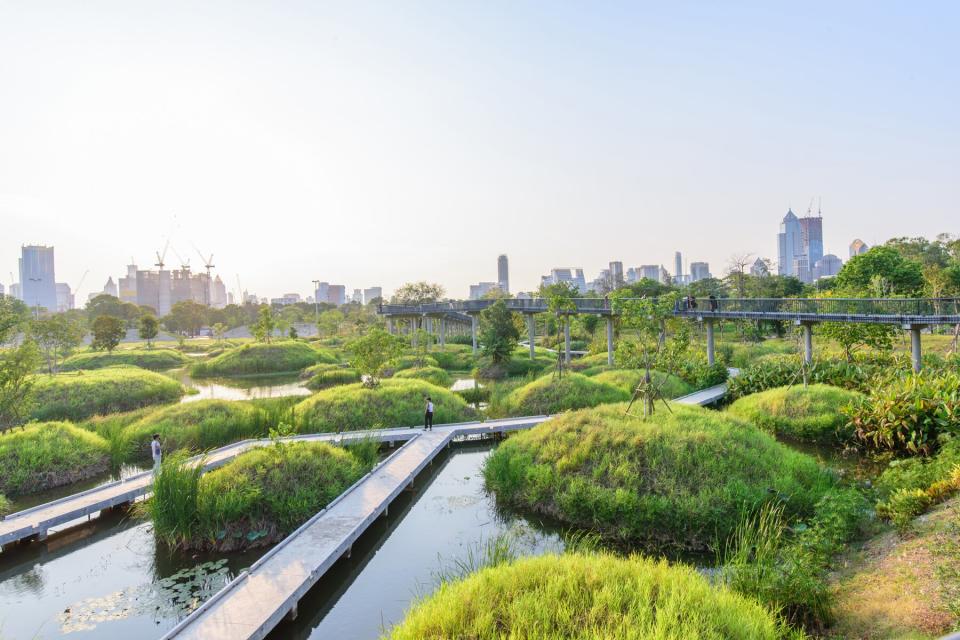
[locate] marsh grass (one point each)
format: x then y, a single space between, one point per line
668 386
549 395
50 454
287 356
176 490
152 359
332 378
5 505
811 413
433 375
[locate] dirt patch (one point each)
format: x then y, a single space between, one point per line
902 587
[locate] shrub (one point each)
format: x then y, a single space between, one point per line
742 355
194 426
254 500
695 371
678 479
332 377
803 413
627 380
783 371
409 362
912 485
454 358
433 375
80 394
474 395
548 395
578 595
588 362
908 414
263 358
45 455
517 366
395 403
153 359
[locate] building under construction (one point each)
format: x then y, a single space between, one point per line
164 288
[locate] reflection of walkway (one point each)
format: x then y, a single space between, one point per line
256 601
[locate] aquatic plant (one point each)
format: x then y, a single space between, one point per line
50 454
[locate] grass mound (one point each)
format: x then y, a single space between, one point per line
454 357
80 394
679 479
254 500
803 413
332 377
587 596
670 386
433 375
548 395
153 359
46 455
395 403
195 426
411 362
259 358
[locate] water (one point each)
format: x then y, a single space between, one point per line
462 384
42 497
248 388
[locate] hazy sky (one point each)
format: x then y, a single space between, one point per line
377 143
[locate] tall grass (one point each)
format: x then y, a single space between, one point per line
5 505
548 395
433 375
46 455
813 412
668 386
176 491
286 356
153 359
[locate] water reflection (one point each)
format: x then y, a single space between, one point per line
250 388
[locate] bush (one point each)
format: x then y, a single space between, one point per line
804 413
907 415
578 595
627 380
474 395
412 362
742 355
46 455
332 378
263 358
394 403
433 375
194 426
695 371
254 500
548 395
454 358
517 366
678 479
152 359
80 394
783 371
910 486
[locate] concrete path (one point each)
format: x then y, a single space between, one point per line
709 395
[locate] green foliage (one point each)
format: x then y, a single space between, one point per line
372 353
679 479
285 356
884 268
454 358
548 395
586 595
433 375
107 333
107 305
148 328
741 355
45 455
77 395
693 369
408 362
474 395
907 415
782 371
516 366
852 336
811 413
903 506
5 505
186 317
417 293
153 359
194 426
254 500
17 399
910 486
56 337
499 333
263 329
332 377
627 380
394 403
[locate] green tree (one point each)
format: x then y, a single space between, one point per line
561 302
263 328
107 333
853 336
107 305
881 271
186 317
328 324
370 354
219 330
418 293
498 332
56 337
17 364
420 341
148 329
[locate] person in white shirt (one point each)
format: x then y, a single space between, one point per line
156 452
428 415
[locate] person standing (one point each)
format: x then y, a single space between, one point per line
156 452
428 415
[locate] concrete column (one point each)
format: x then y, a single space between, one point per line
711 352
532 334
566 339
808 342
610 340
390 325
413 331
443 332
915 352
473 332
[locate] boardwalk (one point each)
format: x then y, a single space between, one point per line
709 395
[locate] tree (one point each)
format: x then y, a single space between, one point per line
498 332
737 273
107 333
187 317
148 329
370 354
263 329
881 271
560 298
56 336
420 341
17 364
328 324
853 336
219 330
107 305
418 293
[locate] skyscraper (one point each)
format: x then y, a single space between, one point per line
503 273
699 271
678 267
790 244
38 285
371 294
811 238
858 247
616 274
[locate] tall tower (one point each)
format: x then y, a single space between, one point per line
616 274
678 267
790 245
503 273
38 286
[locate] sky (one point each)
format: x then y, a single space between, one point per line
376 143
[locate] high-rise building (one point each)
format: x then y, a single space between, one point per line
828 265
38 283
811 238
616 274
479 290
503 273
858 247
371 294
789 244
65 300
285 300
2 290
699 271
759 268
357 296
15 290
678 266
650 272
127 286
337 294
110 288
218 294
322 292
573 276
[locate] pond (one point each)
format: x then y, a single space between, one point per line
247 388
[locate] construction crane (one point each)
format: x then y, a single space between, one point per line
208 265
80 284
184 264
160 257
240 295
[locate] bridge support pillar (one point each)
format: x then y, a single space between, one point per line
566 339
711 351
390 325
532 334
443 332
916 354
610 341
473 331
807 342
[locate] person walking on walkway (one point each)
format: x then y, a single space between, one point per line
428 415
156 452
